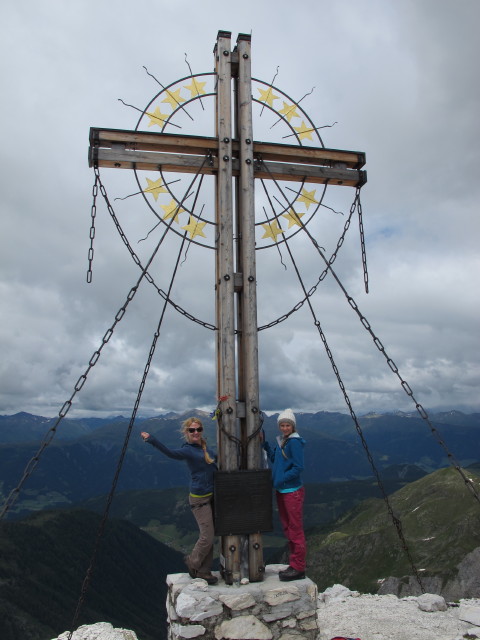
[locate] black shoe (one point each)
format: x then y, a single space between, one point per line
191 571
291 574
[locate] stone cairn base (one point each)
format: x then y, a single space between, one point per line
268 610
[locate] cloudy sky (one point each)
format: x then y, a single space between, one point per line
399 79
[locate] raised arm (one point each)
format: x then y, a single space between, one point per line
176 454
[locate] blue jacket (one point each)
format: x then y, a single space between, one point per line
287 463
202 473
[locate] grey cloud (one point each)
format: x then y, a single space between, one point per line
398 78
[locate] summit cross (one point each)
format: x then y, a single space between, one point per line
233 155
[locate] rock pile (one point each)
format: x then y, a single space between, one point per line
342 612
99 631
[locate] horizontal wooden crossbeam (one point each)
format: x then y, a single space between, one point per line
123 149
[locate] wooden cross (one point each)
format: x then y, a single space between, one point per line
232 157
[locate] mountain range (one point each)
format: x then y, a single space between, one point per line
351 540
81 460
44 557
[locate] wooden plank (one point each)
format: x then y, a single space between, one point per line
311 173
170 162
151 141
247 302
224 288
309 155
246 262
151 161
199 145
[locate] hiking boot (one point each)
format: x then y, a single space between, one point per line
209 577
291 574
191 571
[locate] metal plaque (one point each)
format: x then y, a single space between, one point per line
243 502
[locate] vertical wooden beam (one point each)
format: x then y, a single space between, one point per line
226 387
248 293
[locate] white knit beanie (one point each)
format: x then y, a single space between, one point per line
287 416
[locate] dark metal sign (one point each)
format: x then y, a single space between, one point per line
243 502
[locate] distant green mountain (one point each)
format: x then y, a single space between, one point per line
43 560
441 524
82 465
25 427
165 514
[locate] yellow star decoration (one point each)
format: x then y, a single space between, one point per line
195 88
307 197
304 131
157 118
174 98
293 218
271 230
155 187
195 228
289 111
267 95
172 210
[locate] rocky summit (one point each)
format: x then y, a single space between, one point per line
342 612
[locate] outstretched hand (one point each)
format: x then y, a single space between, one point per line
144 435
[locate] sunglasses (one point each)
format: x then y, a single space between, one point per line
193 429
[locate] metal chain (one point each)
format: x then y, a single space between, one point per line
396 521
32 464
241 446
423 414
137 261
322 276
101 528
92 226
362 244
405 386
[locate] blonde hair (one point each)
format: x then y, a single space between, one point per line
184 431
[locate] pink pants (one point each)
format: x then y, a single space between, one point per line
290 510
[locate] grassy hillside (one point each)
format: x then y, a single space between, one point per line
441 524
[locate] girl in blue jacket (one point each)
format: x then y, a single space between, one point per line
201 463
287 467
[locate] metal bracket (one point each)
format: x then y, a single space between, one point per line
237 282
241 410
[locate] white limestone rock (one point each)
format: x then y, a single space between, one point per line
470 614
243 628
309 624
431 602
185 605
337 593
386 617
197 606
99 631
291 623
278 614
289 593
199 584
238 602
188 631
306 614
